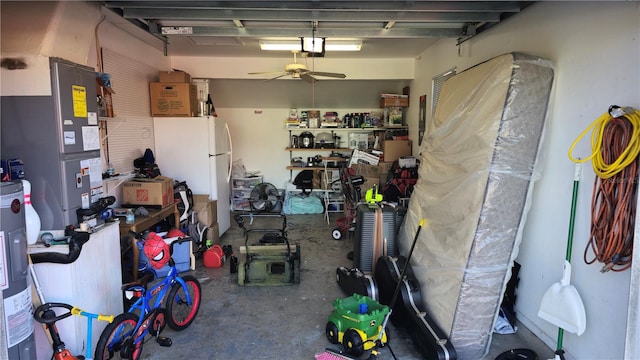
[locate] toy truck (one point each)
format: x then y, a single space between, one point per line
357 323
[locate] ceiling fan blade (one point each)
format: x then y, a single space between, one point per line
266 73
308 78
328 74
278 77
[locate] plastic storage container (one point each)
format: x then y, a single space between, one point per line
180 255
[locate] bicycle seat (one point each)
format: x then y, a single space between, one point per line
140 283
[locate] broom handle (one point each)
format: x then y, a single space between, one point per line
574 199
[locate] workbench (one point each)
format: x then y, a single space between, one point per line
143 223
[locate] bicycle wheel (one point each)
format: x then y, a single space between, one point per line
116 340
180 314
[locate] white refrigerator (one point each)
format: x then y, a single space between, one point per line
197 150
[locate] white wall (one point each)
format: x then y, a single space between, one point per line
594 46
239 68
41 32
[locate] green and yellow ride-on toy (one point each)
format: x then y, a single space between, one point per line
357 322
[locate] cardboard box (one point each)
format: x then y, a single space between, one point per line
395 149
206 210
382 169
366 170
317 180
331 176
174 76
385 167
394 101
393 116
369 182
173 99
213 233
361 157
359 140
157 192
407 162
382 180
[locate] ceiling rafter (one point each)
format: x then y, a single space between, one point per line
296 15
380 25
416 5
333 32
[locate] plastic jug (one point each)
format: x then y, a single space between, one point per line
213 257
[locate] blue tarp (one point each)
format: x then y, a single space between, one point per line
302 204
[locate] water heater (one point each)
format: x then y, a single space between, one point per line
16 319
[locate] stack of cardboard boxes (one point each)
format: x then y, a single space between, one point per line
207 213
377 173
173 95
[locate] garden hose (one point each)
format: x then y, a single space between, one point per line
615 142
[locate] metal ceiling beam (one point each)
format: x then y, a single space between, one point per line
335 33
353 18
297 15
419 5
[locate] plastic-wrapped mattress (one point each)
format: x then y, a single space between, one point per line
478 166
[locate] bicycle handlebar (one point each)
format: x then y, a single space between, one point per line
79 312
45 308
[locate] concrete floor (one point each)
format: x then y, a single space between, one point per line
286 322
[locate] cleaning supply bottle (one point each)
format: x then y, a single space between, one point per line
130 218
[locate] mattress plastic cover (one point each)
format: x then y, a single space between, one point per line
478 165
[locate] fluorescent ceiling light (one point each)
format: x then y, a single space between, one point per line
283 45
343 46
296 46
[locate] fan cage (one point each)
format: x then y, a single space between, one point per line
265 197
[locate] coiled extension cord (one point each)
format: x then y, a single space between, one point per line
615 142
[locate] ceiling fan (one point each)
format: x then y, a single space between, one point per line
299 71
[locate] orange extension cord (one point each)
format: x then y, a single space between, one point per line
613 203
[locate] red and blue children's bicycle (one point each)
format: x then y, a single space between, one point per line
173 301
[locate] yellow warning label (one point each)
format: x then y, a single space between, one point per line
79 101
